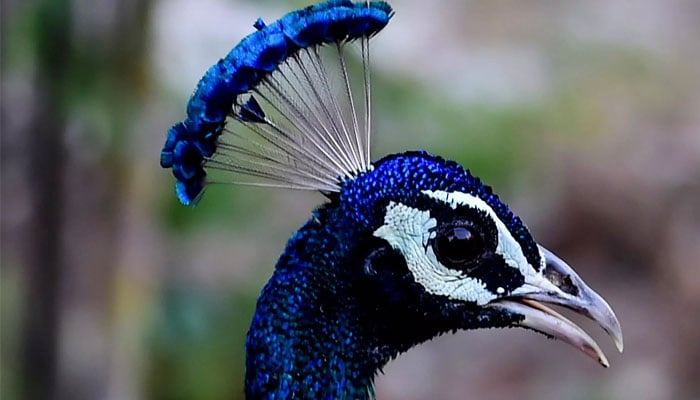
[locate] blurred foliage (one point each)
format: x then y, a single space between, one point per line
195 345
10 320
242 206
490 140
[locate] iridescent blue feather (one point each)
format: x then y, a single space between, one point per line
192 145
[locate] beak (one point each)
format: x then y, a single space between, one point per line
558 284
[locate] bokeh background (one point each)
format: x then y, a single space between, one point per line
585 117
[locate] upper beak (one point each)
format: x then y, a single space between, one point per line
559 284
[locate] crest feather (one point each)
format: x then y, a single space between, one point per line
284 108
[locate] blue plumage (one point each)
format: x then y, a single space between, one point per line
190 143
406 248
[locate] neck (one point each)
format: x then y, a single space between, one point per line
306 339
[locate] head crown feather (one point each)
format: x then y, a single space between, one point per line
281 108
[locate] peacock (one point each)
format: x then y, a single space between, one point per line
404 248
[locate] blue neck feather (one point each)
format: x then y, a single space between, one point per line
307 339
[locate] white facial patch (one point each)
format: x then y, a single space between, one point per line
408 231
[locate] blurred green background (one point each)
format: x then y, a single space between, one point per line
584 116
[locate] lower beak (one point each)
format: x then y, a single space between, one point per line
560 285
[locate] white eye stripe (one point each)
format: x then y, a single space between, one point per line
507 246
408 230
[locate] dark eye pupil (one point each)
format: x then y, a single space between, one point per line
457 246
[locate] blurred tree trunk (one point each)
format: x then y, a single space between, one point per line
44 257
89 56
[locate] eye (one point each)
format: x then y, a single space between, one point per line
458 246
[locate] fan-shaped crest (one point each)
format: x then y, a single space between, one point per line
287 107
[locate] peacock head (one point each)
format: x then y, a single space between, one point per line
430 247
445 253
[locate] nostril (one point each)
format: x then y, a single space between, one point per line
561 281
